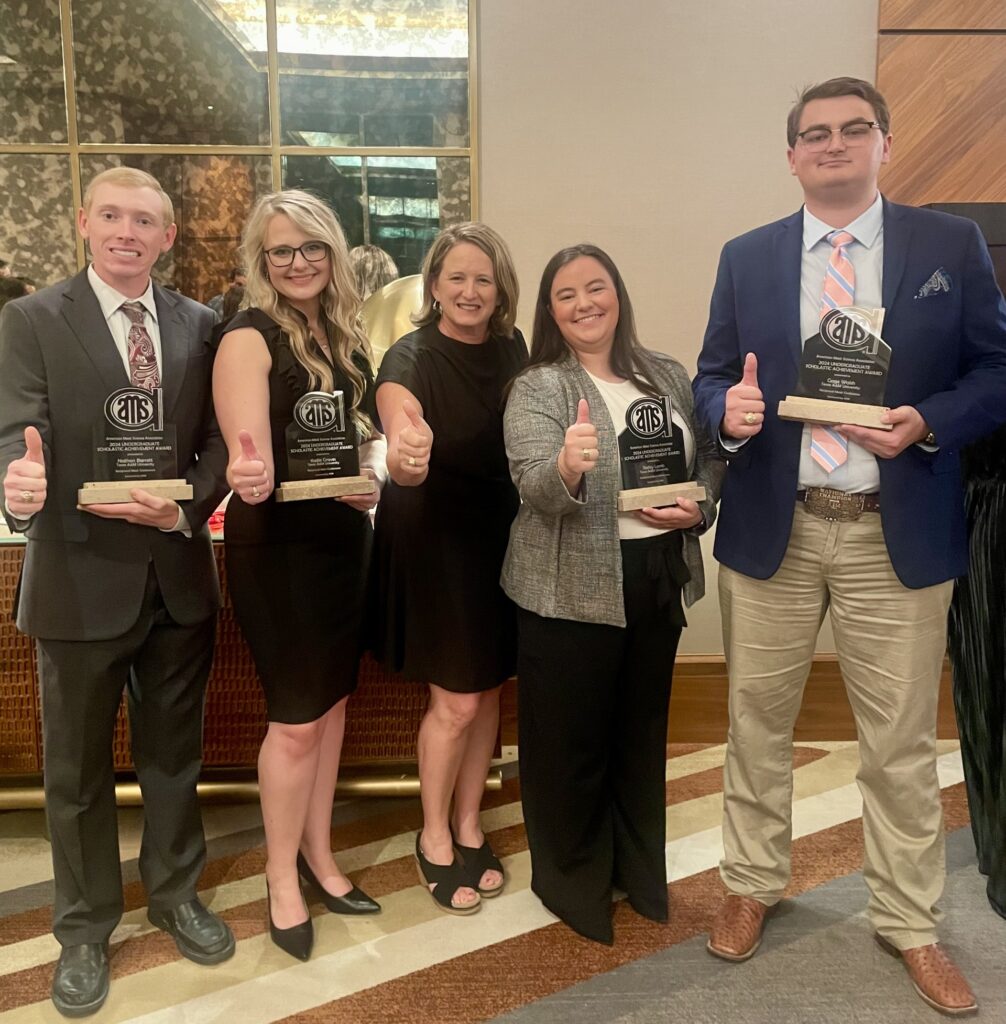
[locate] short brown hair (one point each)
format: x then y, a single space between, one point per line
130 177
838 87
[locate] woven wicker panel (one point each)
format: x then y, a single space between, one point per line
381 726
20 724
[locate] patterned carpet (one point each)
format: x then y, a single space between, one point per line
513 959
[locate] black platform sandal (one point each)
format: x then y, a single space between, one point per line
478 860
446 879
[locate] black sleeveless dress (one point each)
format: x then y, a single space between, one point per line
296 571
438 613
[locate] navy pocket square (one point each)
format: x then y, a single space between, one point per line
941 281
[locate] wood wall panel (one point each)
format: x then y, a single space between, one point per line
958 15
947 95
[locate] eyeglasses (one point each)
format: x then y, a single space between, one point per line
283 255
856 133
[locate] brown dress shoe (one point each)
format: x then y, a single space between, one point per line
936 978
737 930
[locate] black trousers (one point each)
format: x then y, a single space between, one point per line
163 667
592 720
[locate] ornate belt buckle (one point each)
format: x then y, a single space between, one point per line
834 506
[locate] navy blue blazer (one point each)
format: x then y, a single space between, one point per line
948 360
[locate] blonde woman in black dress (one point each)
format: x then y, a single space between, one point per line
296 571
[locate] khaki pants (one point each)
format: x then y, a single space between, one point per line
890 642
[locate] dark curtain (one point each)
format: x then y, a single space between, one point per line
978 652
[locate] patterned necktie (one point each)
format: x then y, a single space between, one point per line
827 447
143 372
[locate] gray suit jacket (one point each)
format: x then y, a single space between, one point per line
83 577
564 559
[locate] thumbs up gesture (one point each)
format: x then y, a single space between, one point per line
247 474
579 450
745 406
24 483
415 442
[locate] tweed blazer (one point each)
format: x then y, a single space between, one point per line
564 559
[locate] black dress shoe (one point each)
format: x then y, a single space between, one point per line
199 934
356 901
80 984
298 940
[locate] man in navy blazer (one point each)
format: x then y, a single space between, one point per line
875 540
117 596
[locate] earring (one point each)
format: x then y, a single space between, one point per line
436 307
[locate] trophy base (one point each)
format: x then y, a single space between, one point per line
654 497
827 412
330 487
118 492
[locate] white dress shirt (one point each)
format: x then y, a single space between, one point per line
118 323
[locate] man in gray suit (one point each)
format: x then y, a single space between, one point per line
121 595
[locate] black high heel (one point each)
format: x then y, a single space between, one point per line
298 941
356 901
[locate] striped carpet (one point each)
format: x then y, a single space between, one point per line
413 963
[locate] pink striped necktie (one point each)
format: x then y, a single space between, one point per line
827 447
143 372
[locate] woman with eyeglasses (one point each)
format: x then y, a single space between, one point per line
599 592
441 532
296 570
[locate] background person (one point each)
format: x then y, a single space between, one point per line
296 571
440 616
374 268
599 596
117 596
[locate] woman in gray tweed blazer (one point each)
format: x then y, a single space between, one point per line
599 596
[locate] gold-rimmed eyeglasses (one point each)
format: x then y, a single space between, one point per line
855 133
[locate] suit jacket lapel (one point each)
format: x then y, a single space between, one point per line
83 316
786 257
897 239
173 326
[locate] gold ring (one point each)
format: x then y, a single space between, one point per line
586 454
256 493
749 418
412 460
27 495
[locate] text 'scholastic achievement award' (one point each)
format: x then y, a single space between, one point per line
133 448
843 372
652 454
322 457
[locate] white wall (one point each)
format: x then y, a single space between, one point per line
655 129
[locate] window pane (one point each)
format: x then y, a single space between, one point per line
36 229
31 73
398 203
168 73
212 196
373 72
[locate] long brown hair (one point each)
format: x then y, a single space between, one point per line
628 357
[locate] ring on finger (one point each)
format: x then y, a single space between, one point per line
587 454
27 495
412 460
256 493
750 417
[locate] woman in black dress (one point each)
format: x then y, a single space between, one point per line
297 570
441 533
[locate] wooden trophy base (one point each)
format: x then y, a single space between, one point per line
654 497
828 413
330 487
118 492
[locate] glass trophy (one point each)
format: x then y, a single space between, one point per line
843 371
322 457
133 448
651 453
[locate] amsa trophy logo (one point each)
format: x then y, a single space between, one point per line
135 409
650 417
850 329
318 412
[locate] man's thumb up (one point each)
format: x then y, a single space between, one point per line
33 446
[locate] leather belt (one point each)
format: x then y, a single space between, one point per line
837 506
